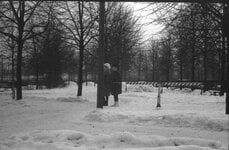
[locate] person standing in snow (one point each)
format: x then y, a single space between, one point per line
116 84
106 83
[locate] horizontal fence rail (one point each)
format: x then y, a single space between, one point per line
209 85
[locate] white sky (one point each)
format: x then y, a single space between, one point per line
149 27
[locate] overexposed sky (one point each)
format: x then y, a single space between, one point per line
144 11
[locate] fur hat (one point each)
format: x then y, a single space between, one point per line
107 65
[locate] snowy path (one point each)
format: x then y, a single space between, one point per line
186 121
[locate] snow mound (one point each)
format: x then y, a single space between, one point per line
187 120
6 102
149 118
73 140
104 116
72 99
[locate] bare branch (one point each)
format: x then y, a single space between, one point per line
14 11
8 35
32 10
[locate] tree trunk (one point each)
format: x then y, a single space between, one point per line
181 70
81 49
226 31
227 74
101 55
2 69
222 70
193 60
80 75
37 70
86 74
139 71
181 65
193 47
168 65
168 73
106 56
146 71
37 77
205 55
140 66
153 66
19 73
227 103
20 43
224 45
205 66
227 77
37 65
157 73
12 74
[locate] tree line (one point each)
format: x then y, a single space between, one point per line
194 45
46 40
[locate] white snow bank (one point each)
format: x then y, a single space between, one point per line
150 118
104 116
187 120
74 140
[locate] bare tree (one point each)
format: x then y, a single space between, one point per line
9 47
19 15
79 18
223 19
220 13
206 33
123 35
154 46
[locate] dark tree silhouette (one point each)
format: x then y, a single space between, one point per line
18 14
79 18
122 37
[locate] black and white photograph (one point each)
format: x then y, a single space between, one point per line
114 75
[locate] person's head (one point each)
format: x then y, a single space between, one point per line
107 67
114 67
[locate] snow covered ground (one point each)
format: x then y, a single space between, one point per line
58 120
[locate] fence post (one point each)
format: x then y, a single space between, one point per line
125 86
202 88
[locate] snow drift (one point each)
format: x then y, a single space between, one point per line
186 121
149 118
74 140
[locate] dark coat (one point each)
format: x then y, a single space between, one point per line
106 84
116 83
